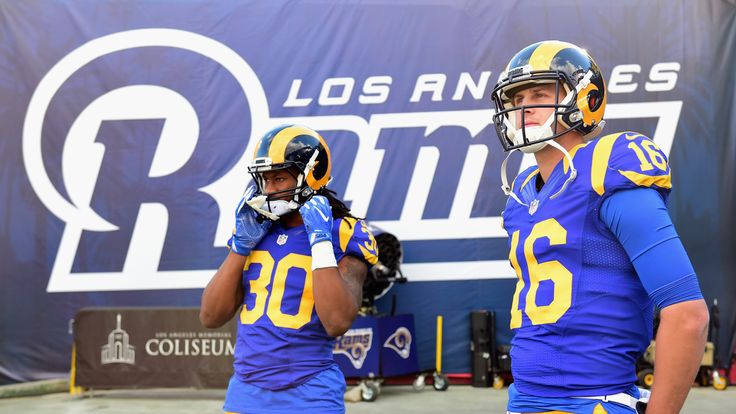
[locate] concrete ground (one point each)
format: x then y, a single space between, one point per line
460 399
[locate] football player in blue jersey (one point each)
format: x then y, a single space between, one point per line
593 247
295 272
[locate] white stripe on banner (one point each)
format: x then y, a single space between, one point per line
453 271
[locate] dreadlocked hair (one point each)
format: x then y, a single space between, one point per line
339 209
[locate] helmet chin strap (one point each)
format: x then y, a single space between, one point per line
535 133
573 171
311 163
505 182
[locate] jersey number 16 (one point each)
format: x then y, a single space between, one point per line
551 270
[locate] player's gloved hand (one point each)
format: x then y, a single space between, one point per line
249 226
317 216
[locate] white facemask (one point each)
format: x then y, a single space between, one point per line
535 132
278 208
272 209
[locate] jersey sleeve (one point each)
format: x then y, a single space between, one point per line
651 242
629 160
351 237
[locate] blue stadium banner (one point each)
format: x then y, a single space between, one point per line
126 128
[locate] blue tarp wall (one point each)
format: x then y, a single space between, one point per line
125 128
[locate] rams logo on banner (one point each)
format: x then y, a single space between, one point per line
355 345
400 341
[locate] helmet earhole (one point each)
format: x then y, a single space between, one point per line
594 101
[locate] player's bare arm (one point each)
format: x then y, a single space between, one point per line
338 293
680 342
354 272
224 293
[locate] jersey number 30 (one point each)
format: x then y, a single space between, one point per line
259 287
551 270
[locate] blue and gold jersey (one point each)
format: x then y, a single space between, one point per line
281 341
580 314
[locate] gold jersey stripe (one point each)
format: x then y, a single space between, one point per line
573 151
643 180
370 246
601 155
542 56
347 226
369 256
528 178
599 409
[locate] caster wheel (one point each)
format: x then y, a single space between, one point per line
720 382
369 392
440 382
418 383
646 378
497 382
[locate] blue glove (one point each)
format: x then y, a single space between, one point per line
248 230
317 216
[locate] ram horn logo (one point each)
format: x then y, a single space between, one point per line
355 345
400 341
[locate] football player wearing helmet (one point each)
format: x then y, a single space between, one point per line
592 245
294 275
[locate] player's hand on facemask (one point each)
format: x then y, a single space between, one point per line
317 216
249 226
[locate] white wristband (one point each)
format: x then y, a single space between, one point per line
323 255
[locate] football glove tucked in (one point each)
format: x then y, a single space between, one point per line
317 216
249 228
